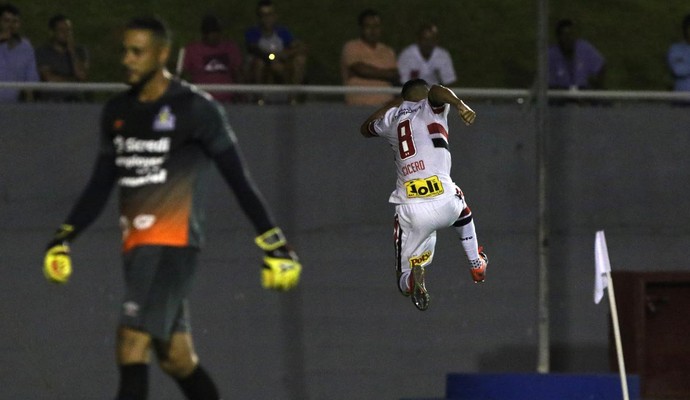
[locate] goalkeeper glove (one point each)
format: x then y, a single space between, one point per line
281 268
57 264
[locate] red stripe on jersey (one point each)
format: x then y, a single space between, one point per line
437 128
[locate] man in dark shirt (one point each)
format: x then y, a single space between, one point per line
62 60
157 139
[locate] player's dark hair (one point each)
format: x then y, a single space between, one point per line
366 14
411 85
9 8
686 25
153 24
55 19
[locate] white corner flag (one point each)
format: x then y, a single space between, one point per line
602 266
602 276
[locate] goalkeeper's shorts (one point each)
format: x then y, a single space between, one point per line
158 280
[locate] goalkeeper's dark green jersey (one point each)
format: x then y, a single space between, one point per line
158 154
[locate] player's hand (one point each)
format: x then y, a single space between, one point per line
57 264
281 270
281 267
466 113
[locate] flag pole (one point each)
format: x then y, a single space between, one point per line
617 336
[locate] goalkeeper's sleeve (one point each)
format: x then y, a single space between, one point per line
57 263
231 167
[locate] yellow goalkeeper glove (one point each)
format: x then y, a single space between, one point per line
281 267
57 263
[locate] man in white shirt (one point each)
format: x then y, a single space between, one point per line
426 60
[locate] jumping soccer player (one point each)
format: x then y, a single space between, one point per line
157 140
426 198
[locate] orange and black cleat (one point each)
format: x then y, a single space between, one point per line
478 267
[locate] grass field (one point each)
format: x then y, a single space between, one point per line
492 41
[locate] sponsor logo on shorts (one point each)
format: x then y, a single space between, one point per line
143 221
130 309
427 187
420 260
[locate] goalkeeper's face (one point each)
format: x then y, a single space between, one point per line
143 56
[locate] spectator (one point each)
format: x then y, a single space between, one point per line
213 59
368 62
17 58
426 60
574 63
678 58
274 55
62 60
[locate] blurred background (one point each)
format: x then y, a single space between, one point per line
619 165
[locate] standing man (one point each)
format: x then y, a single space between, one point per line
17 58
574 63
213 59
368 62
426 60
157 139
425 196
274 55
61 59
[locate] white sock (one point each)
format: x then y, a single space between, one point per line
468 238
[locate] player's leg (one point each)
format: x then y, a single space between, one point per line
133 345
154 314
415 241
169 323
464 227
178 359
133 356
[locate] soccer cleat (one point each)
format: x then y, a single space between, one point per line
419 295
478 267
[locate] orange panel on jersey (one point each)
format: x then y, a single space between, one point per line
170 229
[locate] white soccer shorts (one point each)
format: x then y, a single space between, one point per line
415 231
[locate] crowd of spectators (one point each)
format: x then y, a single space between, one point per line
271 54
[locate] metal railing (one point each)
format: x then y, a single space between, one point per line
520 95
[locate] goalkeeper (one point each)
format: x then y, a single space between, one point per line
157 140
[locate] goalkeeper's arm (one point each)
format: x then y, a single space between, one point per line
281 267
57 265
231 167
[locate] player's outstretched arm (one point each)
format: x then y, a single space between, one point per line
365 128
439 95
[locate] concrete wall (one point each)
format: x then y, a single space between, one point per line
347 333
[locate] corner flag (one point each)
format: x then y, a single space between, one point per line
602 266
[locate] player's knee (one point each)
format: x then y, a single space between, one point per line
177 365
133 346
176 360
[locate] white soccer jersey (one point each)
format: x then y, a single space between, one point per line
418 135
